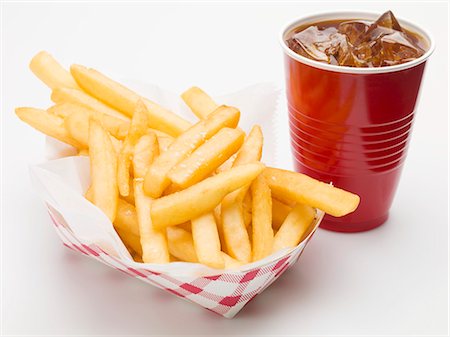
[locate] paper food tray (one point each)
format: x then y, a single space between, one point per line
82 227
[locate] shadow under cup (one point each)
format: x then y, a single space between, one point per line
351 126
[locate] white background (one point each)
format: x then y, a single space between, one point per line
392 280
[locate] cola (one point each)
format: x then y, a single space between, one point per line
358 43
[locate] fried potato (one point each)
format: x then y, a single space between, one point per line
145 151
202 197
156 179
207 158
262 232
68 95
132 243
77 125
49 71
115 126
294 228
234 227
83 152
235 233
292 186
279 213
126 218
89 195
153 242
247 209
181 244
103 170
47 123
206 241
124 100
199 102
230 263
252 148
138 128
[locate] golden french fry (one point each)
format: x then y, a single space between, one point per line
138 128
202 197
115 126
130 197
247 209
47 123
164 143
181 244
227 164
69 95
126 218
206 158
153 242
77 125
124 100
262 232
279 213
145 151
230 263
156 179
103 170
89 195
235 233
186 226
233 222
49 71
292 186
294 228
199 102
206 241
251 150
131 242
83 152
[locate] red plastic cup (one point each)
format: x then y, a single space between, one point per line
351 126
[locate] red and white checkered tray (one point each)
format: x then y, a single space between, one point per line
83 228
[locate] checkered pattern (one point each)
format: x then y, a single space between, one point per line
225 294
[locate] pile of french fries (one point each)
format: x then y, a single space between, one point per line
177 191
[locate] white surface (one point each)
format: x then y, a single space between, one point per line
392 280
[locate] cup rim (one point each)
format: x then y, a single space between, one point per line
353 70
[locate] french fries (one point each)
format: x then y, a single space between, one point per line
117 127
153 242
175 191
47 123
103 170
233 222
77 125
201 198
294 228
75 96
262 232
49 71
145 151
279 213
156 179
124 100
286 185
181 244
206 241
199 102
207 158
235 232
138 128
126 219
